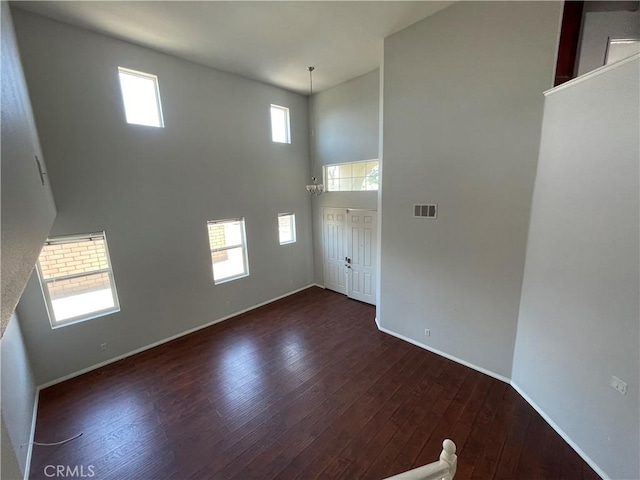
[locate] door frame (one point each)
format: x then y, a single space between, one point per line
324 259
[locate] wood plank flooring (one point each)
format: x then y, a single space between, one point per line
305 388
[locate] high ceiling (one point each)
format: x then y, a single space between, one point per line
269 41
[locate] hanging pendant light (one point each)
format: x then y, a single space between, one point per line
314 188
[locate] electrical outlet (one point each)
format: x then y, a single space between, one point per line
103 346
619 385
427 332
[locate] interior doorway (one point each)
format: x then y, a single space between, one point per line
350 252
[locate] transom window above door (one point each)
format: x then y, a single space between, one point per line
352 176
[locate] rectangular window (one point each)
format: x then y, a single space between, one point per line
287 228
77 279
141 97
280 128
352 177
228 243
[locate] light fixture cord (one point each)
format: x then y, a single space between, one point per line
311 125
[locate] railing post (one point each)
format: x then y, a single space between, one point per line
449 456
443 469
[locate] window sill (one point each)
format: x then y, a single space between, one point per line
230 279
93 316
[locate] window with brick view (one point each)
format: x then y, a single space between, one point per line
227 241
77 279
287 228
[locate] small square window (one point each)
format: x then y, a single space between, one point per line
228 243
77 279
141 97
287 228
280 125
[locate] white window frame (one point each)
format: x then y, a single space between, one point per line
149 76
287 129
327 183
293 228
109 270
243 244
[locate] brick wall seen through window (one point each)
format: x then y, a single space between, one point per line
76 278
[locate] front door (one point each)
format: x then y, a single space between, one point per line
361 231
334 222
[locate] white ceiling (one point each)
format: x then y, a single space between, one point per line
269 41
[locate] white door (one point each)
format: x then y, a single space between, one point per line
334 222
362 226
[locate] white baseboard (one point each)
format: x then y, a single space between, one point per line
173 337
32 434
318 285
559 431
377 323
502 378
445 355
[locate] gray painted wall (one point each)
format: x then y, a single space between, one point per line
28 209
580 297
153 190
18 397
346 122
9 468
462 115
597 27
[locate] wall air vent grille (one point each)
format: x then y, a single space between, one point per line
425 211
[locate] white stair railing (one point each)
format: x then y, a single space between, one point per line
443 469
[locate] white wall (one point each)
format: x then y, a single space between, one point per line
462 114
597 27
580 298
18 397
346 121
153 190
28 209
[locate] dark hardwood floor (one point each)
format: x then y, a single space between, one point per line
305 387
